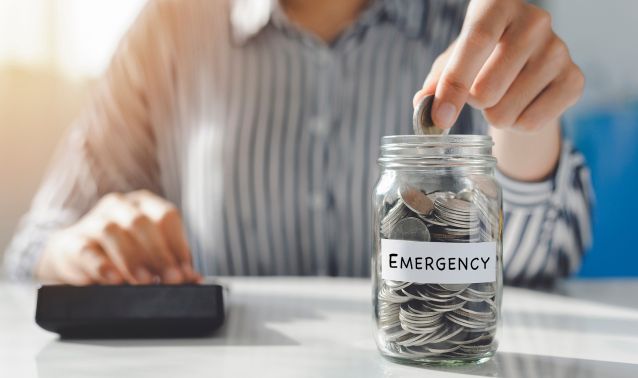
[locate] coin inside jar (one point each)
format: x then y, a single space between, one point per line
416 200
410 229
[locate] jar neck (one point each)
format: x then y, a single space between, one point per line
457 152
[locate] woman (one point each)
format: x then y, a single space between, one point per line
259 122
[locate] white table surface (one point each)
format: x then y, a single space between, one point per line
294 327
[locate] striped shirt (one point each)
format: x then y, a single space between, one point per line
266 138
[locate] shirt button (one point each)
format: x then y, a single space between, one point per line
320 126
318 201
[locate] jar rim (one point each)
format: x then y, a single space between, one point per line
459 150
459 140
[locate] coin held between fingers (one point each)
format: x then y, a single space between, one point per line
422 122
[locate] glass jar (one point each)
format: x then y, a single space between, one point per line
437 258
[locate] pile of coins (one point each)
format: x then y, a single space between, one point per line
446 321
439 321
467 216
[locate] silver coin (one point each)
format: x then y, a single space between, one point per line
397 285
485 185
396 213
451 332
416 200
488 316
454 287
420 328
422 118
441 292
454 204
435 195
424 295
467 321
434 221
466 195
465 296
472 340
451 348
392 296
410 229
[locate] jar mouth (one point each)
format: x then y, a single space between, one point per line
425 140
409 151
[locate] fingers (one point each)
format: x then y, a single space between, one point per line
150 240
169 222
532 80
135 239
157 250
122 249
143 238
485 23
520 40
69 271
98 267
553 101
74 275
118 246
178 243
506 61
68 258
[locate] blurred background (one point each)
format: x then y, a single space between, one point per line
51 51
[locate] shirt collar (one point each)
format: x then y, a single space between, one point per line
249 17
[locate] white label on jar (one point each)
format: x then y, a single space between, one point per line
433 262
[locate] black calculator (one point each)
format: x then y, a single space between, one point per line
124 311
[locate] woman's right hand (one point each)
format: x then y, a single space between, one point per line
135 238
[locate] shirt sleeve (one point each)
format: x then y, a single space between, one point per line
110 148
547 225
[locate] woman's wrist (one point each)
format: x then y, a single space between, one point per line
525 155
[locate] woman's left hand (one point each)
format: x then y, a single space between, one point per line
508 62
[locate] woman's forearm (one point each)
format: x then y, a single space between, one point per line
527 156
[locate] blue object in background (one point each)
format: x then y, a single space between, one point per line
608 137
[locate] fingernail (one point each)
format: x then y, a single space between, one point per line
112 277
445 114
143 276
171 276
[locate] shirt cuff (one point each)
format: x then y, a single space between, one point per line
528 193
27 245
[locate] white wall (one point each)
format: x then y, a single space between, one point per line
35 109
50 51
603 38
